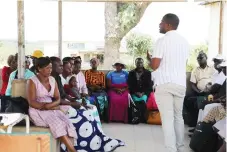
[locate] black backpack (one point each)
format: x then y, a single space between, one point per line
204 139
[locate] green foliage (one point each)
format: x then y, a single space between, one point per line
192 61
127 15
138 44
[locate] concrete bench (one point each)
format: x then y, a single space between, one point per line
55 144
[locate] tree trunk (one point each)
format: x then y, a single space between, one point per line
112 39
111 52
114 33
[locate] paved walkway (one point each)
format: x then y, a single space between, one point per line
140 138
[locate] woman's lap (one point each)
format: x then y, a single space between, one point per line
56 120
118 106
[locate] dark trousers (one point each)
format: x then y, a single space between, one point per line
190 110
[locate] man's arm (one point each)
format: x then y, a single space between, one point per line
155 63
157 55
194 82
194 88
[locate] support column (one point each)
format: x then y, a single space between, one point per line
221 31
21 39
60 29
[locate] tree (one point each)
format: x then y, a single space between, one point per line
192 61
138 44
120 18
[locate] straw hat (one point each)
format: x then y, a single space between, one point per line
119 62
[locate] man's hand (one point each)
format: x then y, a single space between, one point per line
148 56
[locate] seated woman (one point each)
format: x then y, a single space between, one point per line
14 75
89 131
6 71
118 93
96 85
44 101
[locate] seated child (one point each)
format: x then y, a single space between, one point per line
72 90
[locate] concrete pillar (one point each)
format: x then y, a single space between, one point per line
21 39
221 27
217 30
60 29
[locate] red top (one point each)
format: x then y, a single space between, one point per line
5 78
73 92
67 90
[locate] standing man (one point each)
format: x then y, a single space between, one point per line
169 64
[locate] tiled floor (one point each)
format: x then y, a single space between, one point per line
140 138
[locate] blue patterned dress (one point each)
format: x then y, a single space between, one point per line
91 137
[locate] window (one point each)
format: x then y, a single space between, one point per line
76 46
87 57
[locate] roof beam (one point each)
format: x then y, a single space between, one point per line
125 0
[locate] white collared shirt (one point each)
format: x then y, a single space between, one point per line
63 80
173 50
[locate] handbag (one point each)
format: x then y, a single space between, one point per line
204 139
154 117
18 105
151 103
133 112
4 103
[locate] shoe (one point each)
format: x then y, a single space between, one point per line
191 130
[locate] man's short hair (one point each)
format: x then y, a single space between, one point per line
67 59
201 53
65 63
138 59
55 59
172 19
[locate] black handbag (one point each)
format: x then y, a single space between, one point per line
204 139
17 105
133 112
4 102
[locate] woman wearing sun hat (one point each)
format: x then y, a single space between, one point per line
118 93
36 54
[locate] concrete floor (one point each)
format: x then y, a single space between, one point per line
140 138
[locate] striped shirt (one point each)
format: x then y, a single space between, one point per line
173 50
